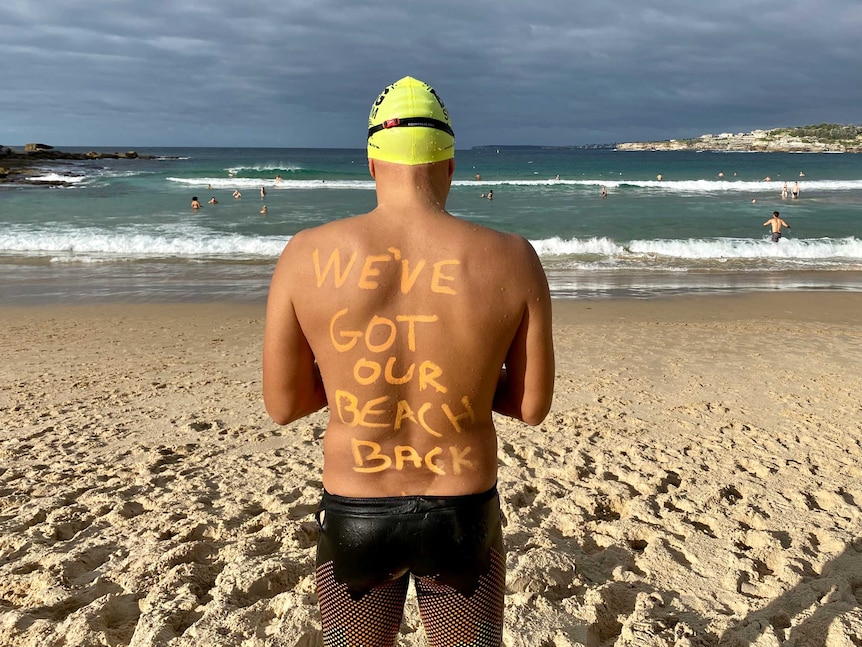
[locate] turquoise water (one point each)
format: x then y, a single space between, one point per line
124 230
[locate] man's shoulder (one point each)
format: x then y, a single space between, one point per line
512 243
329 231
493 235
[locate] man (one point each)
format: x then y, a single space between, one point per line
776 223
412 326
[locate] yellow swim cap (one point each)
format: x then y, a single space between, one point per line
409 124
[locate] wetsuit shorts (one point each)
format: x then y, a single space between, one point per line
776 235
368 548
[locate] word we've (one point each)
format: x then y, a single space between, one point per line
366 278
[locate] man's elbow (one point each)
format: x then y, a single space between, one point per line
536 401
535 414
284 410
286 407
281 415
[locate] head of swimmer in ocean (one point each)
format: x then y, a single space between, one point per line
409 124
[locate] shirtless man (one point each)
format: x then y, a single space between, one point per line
412 326
776 223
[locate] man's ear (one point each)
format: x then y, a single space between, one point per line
371 168
451 167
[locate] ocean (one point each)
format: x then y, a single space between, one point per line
123 230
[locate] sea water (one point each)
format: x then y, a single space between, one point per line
672 222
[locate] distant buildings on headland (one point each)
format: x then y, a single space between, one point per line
825 138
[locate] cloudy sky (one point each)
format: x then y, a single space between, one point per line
289 73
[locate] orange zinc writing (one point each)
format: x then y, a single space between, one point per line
379 413
379 334
368 458
366 275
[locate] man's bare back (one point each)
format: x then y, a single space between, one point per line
412 326
776 223
410 314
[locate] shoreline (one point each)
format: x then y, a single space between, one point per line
24 297
697 480
833 306
40 282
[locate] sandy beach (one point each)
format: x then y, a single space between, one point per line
698 480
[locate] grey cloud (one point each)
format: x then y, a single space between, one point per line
304 74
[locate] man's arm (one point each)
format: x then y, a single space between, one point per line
292 386
526 385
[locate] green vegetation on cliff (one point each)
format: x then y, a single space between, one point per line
837 133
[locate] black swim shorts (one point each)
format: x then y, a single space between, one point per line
376 540
369 547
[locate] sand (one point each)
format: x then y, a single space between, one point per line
697 482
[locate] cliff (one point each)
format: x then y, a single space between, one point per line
825 138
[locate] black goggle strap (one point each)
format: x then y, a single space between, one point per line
426 122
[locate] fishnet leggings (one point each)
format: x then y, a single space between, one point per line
450 618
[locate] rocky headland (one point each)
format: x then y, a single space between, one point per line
825 138
24 166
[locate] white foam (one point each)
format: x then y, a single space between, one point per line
130 244
747 248
266 167
58 177
192 241
849 248
559 247
678 186
249 184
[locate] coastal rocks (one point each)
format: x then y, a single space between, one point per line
21 167
45 152
128 155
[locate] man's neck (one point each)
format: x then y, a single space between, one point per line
424 186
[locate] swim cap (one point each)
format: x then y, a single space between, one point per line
409 124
